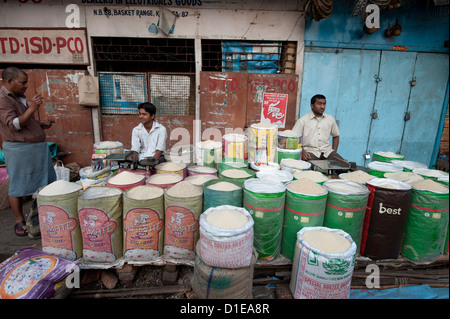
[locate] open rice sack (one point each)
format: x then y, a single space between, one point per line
226 237
222 283
238 175
265 200
100 214
378 169
432 174
408 166
387 156
220 192
305 207
346 207
32 274
125 180
58 219
323 264
426 228
143 223
385 218
183 205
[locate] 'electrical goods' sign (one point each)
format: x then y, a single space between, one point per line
44 46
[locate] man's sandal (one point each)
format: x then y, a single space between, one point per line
18 229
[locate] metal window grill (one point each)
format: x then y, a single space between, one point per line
121 93
171 94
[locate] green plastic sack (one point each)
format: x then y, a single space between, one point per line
227 164
240 181
378 169
214 198
265 200
386 157
293 154
346 207
301 210
427 225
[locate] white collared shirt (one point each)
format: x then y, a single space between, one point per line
316 132
147 143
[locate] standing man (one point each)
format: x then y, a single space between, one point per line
27 155
148 139
316 128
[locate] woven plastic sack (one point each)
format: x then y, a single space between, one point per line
265 200
427 225
378 169
213 198
387 157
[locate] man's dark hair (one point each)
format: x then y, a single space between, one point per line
148 107
316 97
11 73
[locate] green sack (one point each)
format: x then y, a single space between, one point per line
427 225
346 207
301 210
386 157
214 198
265 200
240 181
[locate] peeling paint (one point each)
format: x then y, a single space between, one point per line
73 78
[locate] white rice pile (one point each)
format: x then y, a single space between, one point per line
164 178
357 176
126 178
143 192
170 166
227 218
306 186
199 180
289 133
59 187
224 186
327 241
184 189
235 173
430 185
389 154
404 176
203 169
317 177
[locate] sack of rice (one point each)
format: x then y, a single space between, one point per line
443 179
305 206
226 164
125 180
108 148
289 154
269 167
100 214
164 180
89 173
428 218
278 175
292 165
143 223
316 177
433 174
408 166
385 218
222 283
407 177
346 207
208 153
262 143
183 204
289 140
237 175
264 200
226 237
201 170
323 264
171 168
58 219
378 169
199 180
235 147
357 177
220 192
387 156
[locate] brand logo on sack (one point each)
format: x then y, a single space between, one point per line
390 211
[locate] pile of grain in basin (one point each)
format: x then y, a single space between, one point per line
184 189
224 186
164 178
306 186
327 241
145 192
235 173
317 177
357 176
126 178
430 185
59 187
227 218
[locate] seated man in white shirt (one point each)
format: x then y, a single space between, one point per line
148 139
316 128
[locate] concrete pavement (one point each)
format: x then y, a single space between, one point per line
9 242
